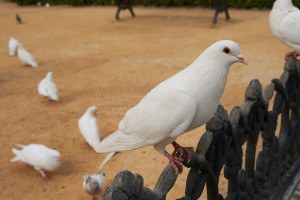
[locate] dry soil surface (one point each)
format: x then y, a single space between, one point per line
98 61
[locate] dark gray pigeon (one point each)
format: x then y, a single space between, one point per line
19 19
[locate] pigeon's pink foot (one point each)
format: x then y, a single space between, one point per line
44 175
178 151
176 164
292 53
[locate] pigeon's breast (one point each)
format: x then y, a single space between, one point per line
204 113
208 98
275 18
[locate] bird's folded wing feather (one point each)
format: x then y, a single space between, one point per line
51 89
90 130
42 88
33 155
289 27
152 121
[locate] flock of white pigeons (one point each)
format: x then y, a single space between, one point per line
179 104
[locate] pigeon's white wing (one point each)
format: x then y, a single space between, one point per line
89 129
161 115
42 88
33 155
289 27
51 90
27 58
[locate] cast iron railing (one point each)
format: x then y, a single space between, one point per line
265 176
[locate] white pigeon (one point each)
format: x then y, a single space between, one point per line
12 46
47 87
88 127
25 57
39 156
179 104
94 184
285 24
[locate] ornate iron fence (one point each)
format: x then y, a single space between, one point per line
264 177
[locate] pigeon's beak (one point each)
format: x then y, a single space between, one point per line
241 59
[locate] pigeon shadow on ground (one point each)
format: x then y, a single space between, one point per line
67 167
178 18
201 20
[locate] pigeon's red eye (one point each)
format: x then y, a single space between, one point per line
226 50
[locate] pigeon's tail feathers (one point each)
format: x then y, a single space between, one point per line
33 63
118 141
52 92
106 159
54 97
17 155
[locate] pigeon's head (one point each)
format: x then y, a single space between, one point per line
92 110
53 160
55 154
283 4
50 75
226 51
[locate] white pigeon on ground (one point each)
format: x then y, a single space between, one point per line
88 127
179 104
284 22
25 57
12 46
47 87
39 156
94 184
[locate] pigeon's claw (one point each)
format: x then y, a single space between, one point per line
294 54
176 164
179 151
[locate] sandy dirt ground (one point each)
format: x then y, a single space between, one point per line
98 61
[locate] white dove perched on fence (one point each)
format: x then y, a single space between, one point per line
47 87
179 104
94 184
39 156
88 127
12 46
285 25
25 57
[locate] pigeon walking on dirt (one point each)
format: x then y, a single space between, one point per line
12 46
19 19
39 156
179 104
88 127
47 87
25 57
285 25
94 184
